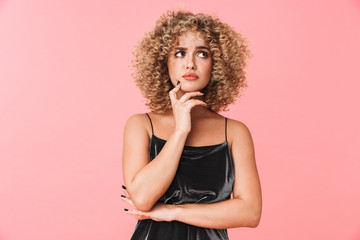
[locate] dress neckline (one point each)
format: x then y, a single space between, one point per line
193 147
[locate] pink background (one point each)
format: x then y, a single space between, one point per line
66 92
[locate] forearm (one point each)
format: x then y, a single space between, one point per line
226 214
152 181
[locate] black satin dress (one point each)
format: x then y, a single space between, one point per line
205 175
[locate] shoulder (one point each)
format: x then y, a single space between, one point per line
238 132
138 124
237 126
136 119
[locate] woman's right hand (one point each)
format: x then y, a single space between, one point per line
182 108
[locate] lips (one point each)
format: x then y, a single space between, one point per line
190 76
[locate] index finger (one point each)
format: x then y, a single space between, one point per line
173 92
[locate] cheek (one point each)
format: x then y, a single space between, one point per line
172 71
172 66
208 68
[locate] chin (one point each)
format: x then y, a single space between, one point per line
191 88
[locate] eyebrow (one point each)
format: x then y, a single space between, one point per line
199 47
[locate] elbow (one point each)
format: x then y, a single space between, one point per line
141 201
250 222
144 207
142 204
251 217
254 220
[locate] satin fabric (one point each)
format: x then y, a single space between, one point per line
205 175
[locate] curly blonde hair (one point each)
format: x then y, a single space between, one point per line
228 48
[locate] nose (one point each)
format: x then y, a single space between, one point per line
190 62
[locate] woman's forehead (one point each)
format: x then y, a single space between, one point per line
192 37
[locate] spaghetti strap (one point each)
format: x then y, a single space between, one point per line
152 129
226 129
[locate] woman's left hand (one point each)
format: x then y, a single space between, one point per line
159 212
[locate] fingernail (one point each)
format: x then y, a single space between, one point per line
123 196
123 186
125 209
178 83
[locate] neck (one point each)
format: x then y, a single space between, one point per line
198 112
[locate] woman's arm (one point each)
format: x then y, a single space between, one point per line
226 214
147 181
244 210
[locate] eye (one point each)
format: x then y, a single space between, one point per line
203 54
180 54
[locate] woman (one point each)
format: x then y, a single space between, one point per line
183 160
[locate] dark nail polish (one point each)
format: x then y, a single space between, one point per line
125 209
123 186
123 196
178 82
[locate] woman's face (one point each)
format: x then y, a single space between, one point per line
190 62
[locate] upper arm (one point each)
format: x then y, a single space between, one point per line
247 182
135 147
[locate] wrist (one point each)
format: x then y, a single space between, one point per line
175 212
180 134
